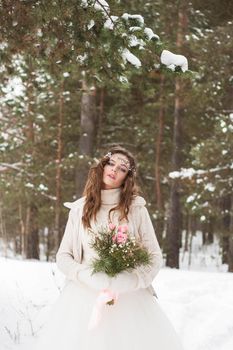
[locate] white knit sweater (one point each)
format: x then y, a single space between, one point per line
69 255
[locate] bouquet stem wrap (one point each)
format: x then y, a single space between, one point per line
105 296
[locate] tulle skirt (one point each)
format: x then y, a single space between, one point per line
134 322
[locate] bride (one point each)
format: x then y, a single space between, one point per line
135 321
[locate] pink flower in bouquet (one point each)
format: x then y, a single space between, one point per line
120 237
123 228
111 226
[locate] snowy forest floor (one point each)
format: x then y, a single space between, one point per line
197 299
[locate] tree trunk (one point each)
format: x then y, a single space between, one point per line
230 254
225 248
203 228
174 227
32 233
192 230
57 231
47 238
87 138
210 235
100 114
32 247
187 234
190 250
230 249
225 206
22 230
158 192
187 231
3 232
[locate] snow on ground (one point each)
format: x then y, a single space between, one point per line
198 303
198 298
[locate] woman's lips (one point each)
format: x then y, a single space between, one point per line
112 177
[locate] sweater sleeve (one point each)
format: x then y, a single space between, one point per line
147 273
64 257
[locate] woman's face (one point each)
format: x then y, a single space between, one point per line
115 171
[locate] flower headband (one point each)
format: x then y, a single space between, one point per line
125 162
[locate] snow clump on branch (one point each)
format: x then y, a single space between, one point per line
103 6
109 24
172 60
131 58
138 18
150 34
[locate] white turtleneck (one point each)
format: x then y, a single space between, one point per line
111 196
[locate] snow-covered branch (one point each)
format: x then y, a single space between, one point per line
188 173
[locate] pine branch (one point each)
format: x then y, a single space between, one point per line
103 7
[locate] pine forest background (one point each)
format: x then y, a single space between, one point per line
69 90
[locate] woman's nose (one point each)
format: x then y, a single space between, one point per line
115 168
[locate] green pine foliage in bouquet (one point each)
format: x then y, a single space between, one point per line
117 250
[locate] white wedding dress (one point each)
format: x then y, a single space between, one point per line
134 322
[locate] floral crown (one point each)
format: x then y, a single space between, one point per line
126 162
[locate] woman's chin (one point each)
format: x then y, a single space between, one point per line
107 185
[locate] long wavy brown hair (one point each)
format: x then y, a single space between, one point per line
94 184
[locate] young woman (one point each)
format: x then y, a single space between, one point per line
135 321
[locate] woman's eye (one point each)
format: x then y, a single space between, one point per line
123 170
110 163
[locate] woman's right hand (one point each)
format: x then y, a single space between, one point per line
96 281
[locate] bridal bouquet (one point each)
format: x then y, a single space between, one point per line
117 250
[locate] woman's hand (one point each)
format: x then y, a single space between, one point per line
96 281
124 282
